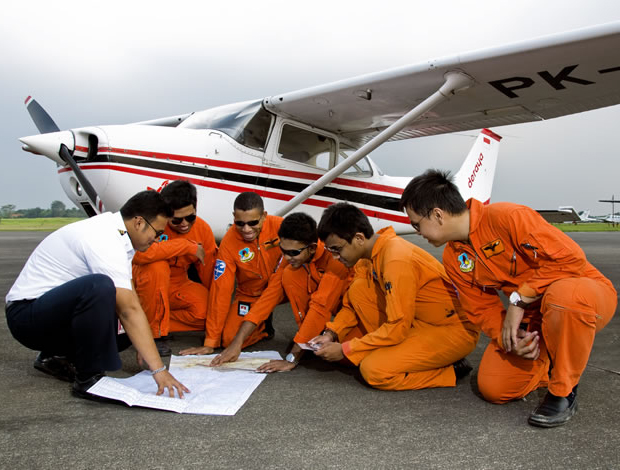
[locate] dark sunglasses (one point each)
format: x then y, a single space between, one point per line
177 220
251 223
158 233
293 253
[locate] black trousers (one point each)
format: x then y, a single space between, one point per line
77 319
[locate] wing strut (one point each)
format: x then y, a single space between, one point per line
455 81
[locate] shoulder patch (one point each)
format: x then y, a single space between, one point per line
219 269
466 264
493 248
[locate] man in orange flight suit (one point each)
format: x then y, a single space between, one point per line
313 281
412 332
171 301
249 255
557 299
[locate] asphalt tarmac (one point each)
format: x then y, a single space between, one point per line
317 416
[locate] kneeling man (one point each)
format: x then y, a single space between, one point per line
171 300
558 300
408 327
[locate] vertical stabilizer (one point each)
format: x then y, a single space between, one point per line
475 177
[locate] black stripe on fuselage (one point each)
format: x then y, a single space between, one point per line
357 197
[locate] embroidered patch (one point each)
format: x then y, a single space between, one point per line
246 255
493 248
273 243
466 264
218 270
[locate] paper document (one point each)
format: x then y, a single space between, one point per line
214 390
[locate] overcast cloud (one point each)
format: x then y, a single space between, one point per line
115 62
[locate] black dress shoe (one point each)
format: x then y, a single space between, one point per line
554 411
462 368
163 347
57 366
80 388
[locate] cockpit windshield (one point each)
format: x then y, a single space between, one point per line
248 122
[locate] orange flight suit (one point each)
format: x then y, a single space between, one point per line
512 248
171 301
314 290
411 325
252 265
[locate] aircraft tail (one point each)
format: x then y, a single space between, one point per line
475 177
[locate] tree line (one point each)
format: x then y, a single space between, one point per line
56 209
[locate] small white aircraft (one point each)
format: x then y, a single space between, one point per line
612 218
310 146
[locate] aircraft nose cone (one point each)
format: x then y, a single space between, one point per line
48 144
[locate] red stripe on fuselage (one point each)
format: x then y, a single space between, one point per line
247 167
237 189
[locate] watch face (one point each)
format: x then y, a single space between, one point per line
290 357
514 298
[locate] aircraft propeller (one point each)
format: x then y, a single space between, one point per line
39 144
42 120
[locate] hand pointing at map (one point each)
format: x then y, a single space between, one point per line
230 354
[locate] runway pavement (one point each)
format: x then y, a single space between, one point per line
317 416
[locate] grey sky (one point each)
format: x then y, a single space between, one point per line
115 62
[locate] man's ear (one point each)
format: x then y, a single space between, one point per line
438 215
360 238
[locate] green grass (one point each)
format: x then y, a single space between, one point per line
47 224
588 227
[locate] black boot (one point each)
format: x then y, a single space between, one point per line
554 411
462 368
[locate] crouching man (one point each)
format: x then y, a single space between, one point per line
312 281
401 322
67 297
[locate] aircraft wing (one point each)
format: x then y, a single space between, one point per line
526 81
559 216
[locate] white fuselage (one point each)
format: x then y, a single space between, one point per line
131 158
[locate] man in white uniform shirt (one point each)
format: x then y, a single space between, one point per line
76 284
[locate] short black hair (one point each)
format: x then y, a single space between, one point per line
299 227
433 188
344 220
180 194
147 204
247 201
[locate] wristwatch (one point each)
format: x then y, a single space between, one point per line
515 299
291 358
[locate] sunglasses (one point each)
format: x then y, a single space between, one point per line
158 233
293 253
177 220
251 223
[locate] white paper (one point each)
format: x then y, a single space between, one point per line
214 390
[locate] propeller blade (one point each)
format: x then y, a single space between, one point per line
42 120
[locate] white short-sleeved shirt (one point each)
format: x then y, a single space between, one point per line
99 245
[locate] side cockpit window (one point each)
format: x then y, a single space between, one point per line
306 147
